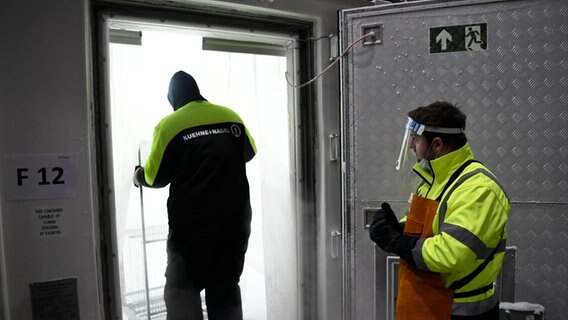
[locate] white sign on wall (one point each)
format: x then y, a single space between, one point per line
29 177
48 222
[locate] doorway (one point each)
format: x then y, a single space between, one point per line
233 68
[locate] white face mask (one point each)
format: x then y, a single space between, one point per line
425 164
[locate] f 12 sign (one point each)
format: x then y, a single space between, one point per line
30 177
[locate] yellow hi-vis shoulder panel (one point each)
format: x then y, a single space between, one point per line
194 114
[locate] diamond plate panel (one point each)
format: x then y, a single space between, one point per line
539 232
515 93
516 97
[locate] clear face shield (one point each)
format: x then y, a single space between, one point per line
417 128
410 128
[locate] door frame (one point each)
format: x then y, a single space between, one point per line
306 132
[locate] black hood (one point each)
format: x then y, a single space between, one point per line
183 89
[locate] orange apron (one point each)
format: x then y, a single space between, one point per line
421 294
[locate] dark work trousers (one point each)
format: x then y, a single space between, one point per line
215 267
492 314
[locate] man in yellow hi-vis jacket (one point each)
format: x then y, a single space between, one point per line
452 240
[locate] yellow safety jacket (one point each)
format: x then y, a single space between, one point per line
469 228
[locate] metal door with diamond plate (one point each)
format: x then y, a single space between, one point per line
505 64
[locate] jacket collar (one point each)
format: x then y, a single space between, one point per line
444 166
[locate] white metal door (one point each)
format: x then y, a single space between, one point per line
504 63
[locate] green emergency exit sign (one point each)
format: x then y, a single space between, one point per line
468 37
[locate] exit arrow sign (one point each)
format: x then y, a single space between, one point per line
469 37
443 38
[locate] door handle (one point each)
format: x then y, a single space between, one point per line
333 147
335 244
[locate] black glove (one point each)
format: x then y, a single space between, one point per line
391 217
384 228
386 232
138 176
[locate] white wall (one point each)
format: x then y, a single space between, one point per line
45 108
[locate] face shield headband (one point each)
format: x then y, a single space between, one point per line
415 127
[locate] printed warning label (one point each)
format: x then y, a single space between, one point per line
48 222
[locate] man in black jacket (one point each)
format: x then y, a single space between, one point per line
201 150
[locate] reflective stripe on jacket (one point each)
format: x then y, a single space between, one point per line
469 226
